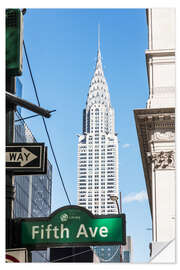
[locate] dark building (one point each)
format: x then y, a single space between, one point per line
33 192
72 254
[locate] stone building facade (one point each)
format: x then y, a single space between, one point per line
156 132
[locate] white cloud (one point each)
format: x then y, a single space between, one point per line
141 196
126 145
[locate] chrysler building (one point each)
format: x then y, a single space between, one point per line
98 148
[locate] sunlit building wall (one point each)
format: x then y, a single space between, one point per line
156 132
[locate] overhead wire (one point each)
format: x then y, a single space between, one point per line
28 117
45 126
24 123
33 139
76 254
86 251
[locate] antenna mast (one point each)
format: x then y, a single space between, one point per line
98 37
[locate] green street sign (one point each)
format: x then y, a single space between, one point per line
14 41
72 226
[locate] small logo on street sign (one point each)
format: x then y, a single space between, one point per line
64 217
23 157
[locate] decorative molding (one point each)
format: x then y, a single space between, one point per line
148 123
163 160
161 136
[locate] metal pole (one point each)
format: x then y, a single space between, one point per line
118 207
120 204
10 189
27 105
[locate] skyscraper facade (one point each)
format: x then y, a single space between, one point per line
33 192
98 149
98 156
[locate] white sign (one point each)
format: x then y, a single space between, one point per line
16 255
23 157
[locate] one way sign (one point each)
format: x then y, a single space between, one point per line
26 158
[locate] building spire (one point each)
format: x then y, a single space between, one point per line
98 90
98 37
99 52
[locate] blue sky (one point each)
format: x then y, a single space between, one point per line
62 49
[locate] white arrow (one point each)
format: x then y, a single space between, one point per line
23 157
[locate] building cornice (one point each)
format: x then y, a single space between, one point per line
148 122
165 52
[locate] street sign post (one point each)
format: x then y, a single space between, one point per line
26 158
71 226
23 158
